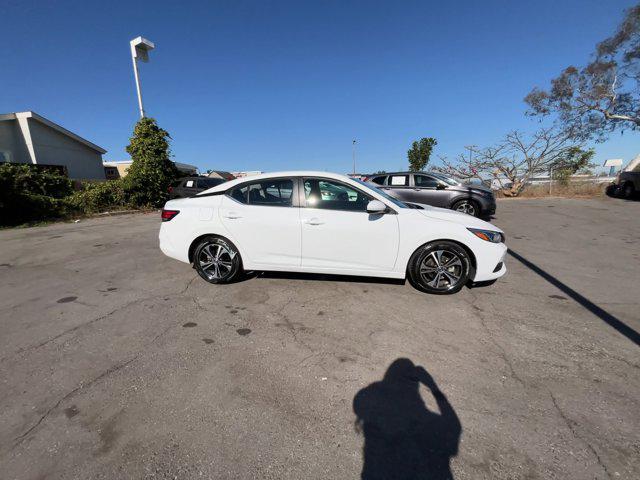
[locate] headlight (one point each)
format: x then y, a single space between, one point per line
488 235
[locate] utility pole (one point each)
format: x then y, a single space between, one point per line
140 48
471 148
353 155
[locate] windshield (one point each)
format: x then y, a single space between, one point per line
395 201
209 182
449 180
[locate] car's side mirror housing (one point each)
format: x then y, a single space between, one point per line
441 186
376 207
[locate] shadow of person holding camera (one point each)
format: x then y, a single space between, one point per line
403 439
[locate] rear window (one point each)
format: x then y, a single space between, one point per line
379 180
209 182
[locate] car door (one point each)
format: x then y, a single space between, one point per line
429 190
338 233
398 186
262 218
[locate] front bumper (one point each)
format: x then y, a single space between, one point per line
486 268
487 206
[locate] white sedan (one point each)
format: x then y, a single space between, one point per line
320 222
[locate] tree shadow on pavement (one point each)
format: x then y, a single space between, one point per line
605 316
403 439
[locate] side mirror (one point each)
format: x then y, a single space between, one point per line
376 207
441 186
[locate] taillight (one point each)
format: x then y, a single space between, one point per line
167 215
365 179
170 189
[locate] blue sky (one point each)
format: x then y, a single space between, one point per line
273 85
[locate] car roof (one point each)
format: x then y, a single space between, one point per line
265 176
403 173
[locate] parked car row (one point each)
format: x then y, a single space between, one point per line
418 188
190 186
437 190
320 222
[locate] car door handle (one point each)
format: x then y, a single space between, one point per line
313 221
417 189
231 215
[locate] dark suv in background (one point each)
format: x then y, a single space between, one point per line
437 190
189 186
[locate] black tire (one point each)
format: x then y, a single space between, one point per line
431 260
628 190
217 260
470 207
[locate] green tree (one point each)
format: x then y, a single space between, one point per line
572 161
31 193
420 152
594 100
148 179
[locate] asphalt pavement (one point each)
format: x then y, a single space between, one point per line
117 362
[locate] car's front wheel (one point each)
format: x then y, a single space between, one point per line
440 267
628 190
467 206
217 260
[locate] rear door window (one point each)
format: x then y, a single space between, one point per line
271 192
379 180
398 180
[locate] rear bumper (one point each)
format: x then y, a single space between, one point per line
167 246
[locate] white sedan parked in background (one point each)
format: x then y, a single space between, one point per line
321 222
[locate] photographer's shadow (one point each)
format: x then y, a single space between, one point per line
403 439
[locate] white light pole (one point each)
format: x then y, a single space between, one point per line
353 155
140 48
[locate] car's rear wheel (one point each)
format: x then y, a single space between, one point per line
440 267
217 260
467 206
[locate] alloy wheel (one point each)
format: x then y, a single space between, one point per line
466 207
216 261
441 269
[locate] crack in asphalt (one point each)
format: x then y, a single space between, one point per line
569 423
102 317
184 290
21 438
501 351
93 381
571 426
77 327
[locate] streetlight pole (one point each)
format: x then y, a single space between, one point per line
353 155
137 77
140 48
